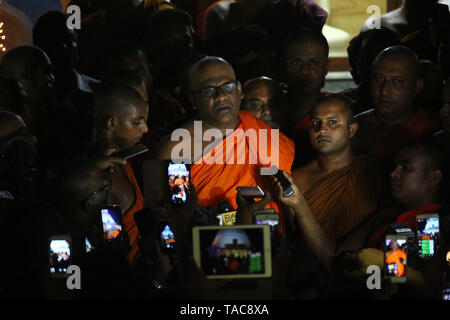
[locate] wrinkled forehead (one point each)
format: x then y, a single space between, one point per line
396 63
210 73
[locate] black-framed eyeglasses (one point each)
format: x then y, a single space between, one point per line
105 188
211 92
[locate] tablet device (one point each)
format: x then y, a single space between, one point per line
239 251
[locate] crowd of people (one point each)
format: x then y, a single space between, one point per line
74 102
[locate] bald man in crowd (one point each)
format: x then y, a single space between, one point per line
262 97
340 187
32 68
217 95
119 122
56 129
394 120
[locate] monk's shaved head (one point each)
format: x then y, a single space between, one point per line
432 153
32 68
74 184
18 59
9 123
205 64
115 99
338 99
401 53
252 83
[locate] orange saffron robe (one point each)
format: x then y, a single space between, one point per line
217 182
344 198
128 218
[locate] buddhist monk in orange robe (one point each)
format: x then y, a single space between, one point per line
394 121
341 189
232 159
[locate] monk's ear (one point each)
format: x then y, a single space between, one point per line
419 86
327 66
239 89
352 128
87 204
191 98
111 123
435 177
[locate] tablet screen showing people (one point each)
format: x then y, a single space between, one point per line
59 256
178 182
232 251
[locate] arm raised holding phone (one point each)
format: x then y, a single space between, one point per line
323 247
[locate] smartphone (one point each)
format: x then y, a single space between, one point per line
60 247
132 152
427 234
240 251
251 192
268 217
166 237
91 242
285 184
179 183
395 258
112 221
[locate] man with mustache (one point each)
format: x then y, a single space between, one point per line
394 120
217 95
119 121
340 187
304 66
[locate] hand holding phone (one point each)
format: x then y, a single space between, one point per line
252 192
285 184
